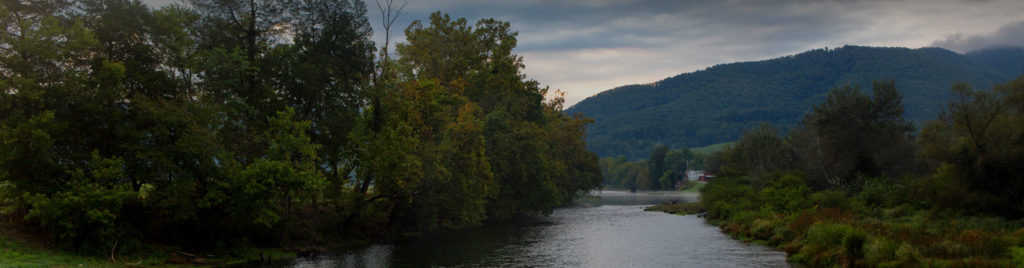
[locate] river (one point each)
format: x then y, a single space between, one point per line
610 230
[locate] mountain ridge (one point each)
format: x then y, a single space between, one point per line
718 103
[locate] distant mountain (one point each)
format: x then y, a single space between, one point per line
717 104
1008 60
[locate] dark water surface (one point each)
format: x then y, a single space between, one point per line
610 231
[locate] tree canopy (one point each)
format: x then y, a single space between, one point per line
269 122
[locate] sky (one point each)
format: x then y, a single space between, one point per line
583 47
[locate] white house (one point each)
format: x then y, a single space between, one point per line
693 175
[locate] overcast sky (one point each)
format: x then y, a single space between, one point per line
587 46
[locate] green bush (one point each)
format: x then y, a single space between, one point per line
726 196
882 192
1017 255
84 214
828 234
786 194
907 255
880 251
829 199
942 191
830 243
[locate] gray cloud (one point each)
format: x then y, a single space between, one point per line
587 46
1011 34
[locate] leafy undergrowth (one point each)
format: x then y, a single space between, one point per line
831 229
16 252
677 208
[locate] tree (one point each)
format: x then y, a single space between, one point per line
979 137
656 166
759 153
532 148
852 135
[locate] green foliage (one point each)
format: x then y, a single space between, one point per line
656 166
829 199
756 155
717 147
978 141
876 220
786 194
218 124
14 253
852 136
84 213
1017 254
677 208
834 244
621 173
743 197
534 152
719 103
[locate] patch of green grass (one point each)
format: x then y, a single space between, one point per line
695 188
707 150
15 253
677 208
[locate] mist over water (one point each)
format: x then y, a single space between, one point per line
609 230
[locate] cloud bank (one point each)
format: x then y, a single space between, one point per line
1009 35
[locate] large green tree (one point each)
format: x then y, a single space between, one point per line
534 174
852 136
980 141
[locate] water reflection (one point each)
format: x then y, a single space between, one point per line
609 230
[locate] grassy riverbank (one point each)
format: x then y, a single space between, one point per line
829 228
677 208
14 253
19 252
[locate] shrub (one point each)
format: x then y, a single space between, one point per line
786 194
828 234
829 199
835 243
84 213
880 251
725 196
1017 255
882 192
907 255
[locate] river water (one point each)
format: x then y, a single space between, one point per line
610 230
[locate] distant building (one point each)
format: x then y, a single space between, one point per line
706 177
694 175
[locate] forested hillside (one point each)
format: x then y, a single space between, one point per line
717 104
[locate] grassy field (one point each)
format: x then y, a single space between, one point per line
695 188
718 147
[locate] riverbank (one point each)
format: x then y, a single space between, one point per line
677 208
19 251
829 228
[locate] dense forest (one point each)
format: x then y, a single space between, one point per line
719 103
227 123
853 185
